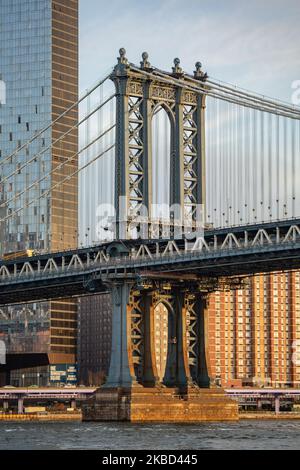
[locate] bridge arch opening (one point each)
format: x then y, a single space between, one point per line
161 314
2 353
161 168
165 342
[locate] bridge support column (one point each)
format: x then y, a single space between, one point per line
183 378
130 357
150 375
132 392
195 340
20 406
204 360
259 404
277 405
121 370
178 372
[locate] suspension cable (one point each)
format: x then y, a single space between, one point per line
40 132
250 103
39 154
252 98
46 193
257 96
58 167
239 92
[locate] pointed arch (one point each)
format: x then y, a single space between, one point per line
161 326
162 131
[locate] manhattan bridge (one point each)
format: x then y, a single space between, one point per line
189 185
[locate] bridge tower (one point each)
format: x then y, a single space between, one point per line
133 390
140 93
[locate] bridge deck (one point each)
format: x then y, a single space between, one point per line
239 251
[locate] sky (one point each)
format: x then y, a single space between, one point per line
254 44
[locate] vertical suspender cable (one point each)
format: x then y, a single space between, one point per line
101 177
262 158
238 186
217 201
110 159
255 173
243 170
237 159
209 178
285 169
90 175
230 166
225 166
270 175
248 165
293 176
277 166
231 173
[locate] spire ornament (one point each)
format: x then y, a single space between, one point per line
145 64
177 70
122 58
199 74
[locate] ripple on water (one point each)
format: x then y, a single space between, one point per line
66 435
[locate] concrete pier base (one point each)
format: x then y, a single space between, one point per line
20 406
160 404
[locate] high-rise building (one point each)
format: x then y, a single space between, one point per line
254 333
39 66
94 338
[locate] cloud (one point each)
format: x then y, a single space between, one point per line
252 44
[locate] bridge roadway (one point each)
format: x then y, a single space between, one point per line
235 251
32 393
263 392
37 395
82 393
257 395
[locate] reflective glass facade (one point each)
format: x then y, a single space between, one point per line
25 66
39 65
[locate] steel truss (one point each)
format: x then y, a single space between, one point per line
139 97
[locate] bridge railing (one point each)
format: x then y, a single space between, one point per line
212 245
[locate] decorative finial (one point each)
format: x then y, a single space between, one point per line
122 59
198 72
177 70
145 64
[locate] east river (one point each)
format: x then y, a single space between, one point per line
109 436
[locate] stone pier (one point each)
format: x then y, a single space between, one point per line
133 391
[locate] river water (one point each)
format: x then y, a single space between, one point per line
109 436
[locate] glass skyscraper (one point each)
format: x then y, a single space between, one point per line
39 66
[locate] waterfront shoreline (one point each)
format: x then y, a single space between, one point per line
78 417
266 416
72 435
41 418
